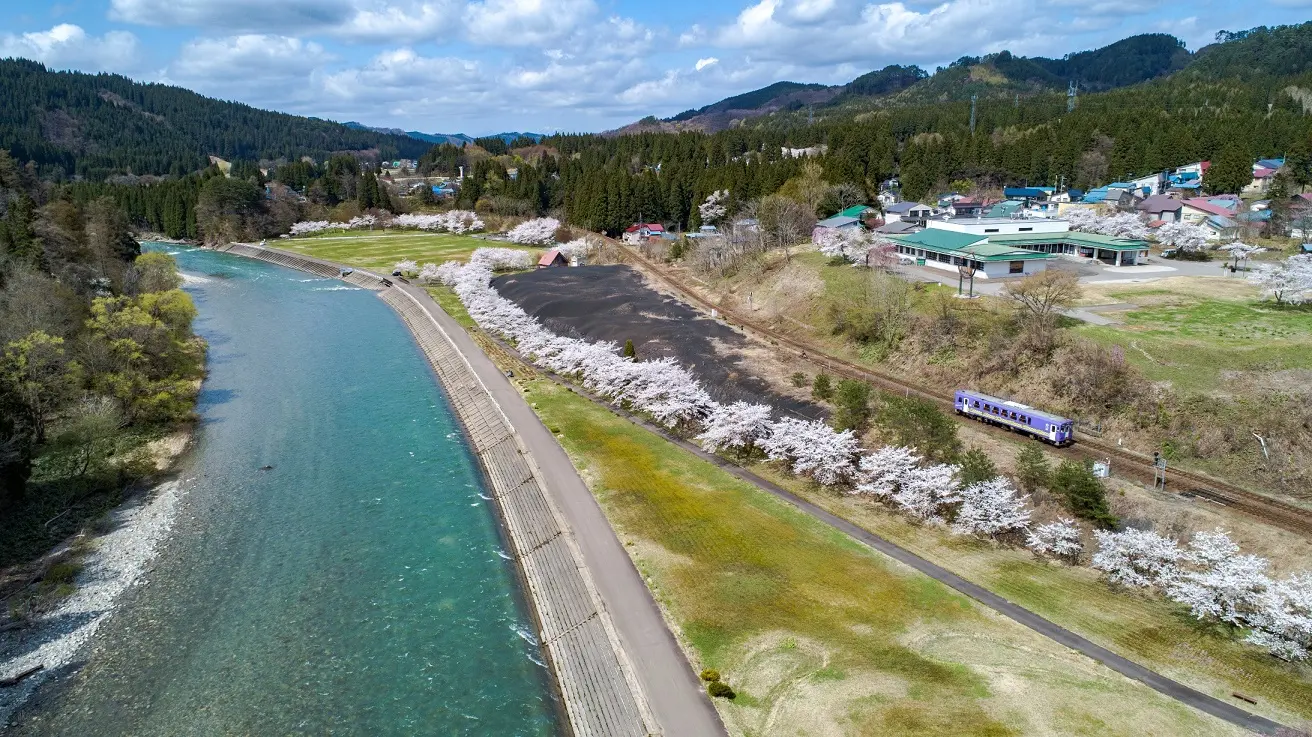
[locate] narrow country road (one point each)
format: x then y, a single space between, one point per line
672 689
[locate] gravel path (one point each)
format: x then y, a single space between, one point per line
119 560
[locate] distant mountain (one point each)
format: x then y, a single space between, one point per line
1124 63
98 125
457 139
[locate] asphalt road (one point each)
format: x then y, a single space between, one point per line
673 691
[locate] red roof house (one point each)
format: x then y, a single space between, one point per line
552 258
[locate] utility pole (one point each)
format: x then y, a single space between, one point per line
810 115
1070 97
973 98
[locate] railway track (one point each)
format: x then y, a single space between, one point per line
1132 464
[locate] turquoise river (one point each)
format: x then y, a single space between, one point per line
358 586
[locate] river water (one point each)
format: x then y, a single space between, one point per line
359 586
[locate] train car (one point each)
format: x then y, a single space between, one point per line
1022 418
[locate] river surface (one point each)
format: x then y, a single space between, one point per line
359 586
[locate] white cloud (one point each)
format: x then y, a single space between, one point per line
351 20
524 22
708 61
68 46
265 70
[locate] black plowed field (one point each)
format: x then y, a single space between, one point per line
614 303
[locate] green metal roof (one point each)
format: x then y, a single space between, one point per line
1090 240
855 211
964 244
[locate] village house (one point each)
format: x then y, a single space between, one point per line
909 211
552 259
1196 210
637 233
1015 241
1160 207
1264 170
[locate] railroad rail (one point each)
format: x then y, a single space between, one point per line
1136 465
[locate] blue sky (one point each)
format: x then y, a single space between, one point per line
575 65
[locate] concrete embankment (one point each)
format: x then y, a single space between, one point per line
598 687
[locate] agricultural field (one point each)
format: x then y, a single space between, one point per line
818 634
1206 334
380 250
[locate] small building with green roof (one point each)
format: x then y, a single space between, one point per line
1050 236
949 251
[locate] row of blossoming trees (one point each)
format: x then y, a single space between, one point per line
1209 575
452 221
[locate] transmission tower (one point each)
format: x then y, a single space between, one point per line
1070 97
973 98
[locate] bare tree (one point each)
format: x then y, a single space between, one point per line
782 222
1045 293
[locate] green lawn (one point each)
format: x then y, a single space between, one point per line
1193 343
819 634
379 250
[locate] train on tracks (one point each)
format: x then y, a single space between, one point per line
1021 418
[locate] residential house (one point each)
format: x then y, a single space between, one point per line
1220 227
1117 194
1027 193
860 212
966 207
911 211
1160 207
838 222
1005 209
639 232
946 200
1264 170
887 198
1198 209
1149 185
898 227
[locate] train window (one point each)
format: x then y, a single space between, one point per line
977 403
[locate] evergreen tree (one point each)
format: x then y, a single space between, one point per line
1032 470
851 406
976 467
1083 492
1231 171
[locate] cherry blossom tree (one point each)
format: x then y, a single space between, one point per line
503 259
736 426
1217 581
1060 539
1241 252
991 508
714 209
1290 281
309 227
849 244
1137 558
882 471
1118 224
812 448
577 248
926 492
405 267
1187 237
538 231
452 221
362 222
1282 622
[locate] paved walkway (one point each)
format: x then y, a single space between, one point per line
674 693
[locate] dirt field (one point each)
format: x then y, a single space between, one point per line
614 303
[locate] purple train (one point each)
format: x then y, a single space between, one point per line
1023 418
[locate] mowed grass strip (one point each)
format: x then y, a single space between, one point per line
819 634
1142 626
381 250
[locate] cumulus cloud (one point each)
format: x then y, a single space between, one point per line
524 22
351 20
708 61
69 46
266 70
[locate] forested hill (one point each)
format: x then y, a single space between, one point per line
1260 52
98 125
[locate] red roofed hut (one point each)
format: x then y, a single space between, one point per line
552 258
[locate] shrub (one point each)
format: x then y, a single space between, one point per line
1083 492
629 350
564 234
920 424
852 402
822 387
976 468
798 379
710 674
1032 471
721 689
63 573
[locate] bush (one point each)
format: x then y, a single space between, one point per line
1083 492
798 379
852 403
63 573
720 689
976 467
822 387
564 234
1032 471
920 424
629 350
710 674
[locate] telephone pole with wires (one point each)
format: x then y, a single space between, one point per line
1070 97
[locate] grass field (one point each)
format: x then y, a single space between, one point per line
819 634
1200 334
379 250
